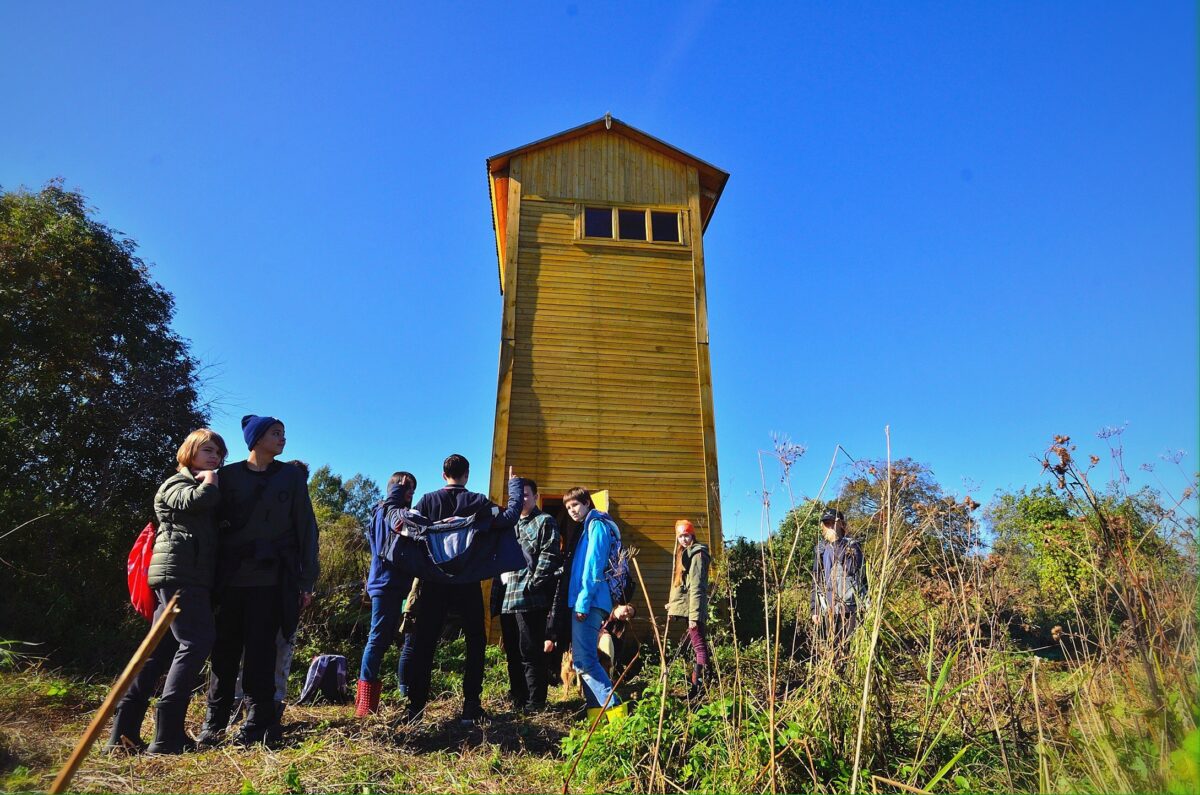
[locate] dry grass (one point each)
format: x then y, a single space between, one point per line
326 749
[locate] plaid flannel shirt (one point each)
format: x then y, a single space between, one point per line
534 589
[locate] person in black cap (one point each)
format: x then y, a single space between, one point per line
266 569
839 580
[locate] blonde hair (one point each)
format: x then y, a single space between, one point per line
194 441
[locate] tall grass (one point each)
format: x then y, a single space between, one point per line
934 691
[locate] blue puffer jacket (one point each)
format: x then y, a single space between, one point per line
588 584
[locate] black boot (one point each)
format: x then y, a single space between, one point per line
260 726
170 736
127 730
215 722
697 684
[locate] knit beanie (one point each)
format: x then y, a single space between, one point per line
253 428
684 526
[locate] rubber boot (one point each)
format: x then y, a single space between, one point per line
126 736
216 721
593 713
366 698
170 736
618 713
260 726
697 682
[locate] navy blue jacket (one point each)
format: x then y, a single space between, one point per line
492 552
383 577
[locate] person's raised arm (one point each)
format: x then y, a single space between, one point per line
187 497
507 519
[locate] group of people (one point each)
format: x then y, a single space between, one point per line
562 599
236 545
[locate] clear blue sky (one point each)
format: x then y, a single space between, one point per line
975 223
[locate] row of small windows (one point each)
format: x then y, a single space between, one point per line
620 223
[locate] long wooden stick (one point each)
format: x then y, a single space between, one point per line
160 628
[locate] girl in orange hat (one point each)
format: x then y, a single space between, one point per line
689 596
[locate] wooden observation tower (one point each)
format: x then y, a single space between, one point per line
605 379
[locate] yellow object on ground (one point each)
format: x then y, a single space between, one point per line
618 713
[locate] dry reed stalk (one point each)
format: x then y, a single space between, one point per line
663 671
596 722
765 550
885 564
896 784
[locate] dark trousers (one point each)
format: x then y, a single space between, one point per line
181 653
248 620
406 654
524 634
836 627
437 600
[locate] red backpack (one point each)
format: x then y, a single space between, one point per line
137 571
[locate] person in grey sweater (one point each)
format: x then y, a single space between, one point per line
266 570
183 564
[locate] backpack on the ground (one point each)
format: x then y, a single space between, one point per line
137 572
326 678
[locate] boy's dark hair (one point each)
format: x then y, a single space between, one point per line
578 494
302 466
456 466
531 483
401 477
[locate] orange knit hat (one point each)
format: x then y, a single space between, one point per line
684 526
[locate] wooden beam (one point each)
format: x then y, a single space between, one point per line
704 365
157 631
508 333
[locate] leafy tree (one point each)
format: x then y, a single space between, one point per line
919 505
328 494
803 521
362 496
332 496
742 579
96 393
1035 534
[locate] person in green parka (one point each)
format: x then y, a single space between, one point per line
689 597
184 562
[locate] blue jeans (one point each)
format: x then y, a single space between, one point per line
585 635
386 612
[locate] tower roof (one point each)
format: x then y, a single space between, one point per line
712 179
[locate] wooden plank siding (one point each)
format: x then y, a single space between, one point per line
605 380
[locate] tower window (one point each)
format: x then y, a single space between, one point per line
633 224
598 222
664 226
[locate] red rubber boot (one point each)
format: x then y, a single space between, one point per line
366 698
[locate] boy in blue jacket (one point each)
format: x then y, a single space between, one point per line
387 588
590 600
